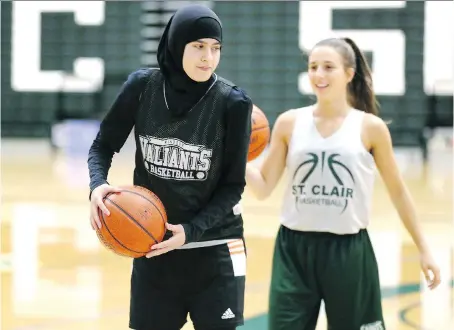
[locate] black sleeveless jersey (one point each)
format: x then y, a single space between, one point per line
195 163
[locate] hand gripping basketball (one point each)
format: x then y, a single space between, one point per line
178 239
129 220
97 202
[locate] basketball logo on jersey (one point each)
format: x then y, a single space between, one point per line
174 159
378 325
308 191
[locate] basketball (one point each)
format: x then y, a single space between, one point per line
136 222
260 134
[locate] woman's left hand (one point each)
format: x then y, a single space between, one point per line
177 240
430 270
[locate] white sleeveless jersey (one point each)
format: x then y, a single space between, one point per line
331 179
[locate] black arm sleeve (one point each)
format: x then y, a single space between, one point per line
232 183
115 128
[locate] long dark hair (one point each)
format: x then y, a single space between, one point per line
360 89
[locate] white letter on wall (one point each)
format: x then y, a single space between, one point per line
438 48
26 74
387 46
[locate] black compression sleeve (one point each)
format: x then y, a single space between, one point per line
232 183
115 128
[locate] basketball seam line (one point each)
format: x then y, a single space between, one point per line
131 218
255 129
105 224
261 144
259 147
151 202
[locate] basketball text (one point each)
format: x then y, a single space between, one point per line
174 159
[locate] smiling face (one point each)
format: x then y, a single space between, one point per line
328 74
201 58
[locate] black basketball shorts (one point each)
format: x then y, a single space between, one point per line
207 283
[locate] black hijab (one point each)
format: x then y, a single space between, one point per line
188 24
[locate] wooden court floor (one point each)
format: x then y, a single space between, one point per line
55 274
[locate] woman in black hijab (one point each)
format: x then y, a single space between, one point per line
192 131
187 25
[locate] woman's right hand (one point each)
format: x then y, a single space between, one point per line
96 201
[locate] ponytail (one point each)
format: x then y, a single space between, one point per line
360 89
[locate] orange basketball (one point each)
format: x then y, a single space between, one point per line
136 221
260 134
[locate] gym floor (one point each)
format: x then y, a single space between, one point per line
56 275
